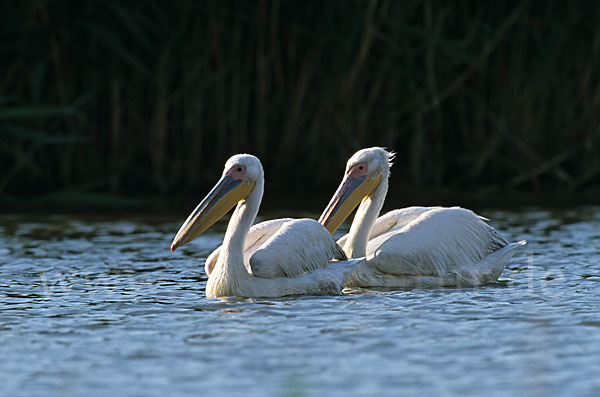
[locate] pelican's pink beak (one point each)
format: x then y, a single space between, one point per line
356 186
230 189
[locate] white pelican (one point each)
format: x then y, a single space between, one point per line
257 236
295 259
416 246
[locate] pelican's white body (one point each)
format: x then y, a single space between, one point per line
311 275
431 247
420 246
284 247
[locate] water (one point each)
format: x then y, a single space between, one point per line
93 306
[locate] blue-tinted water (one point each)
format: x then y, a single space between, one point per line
97 306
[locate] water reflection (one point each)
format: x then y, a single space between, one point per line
102 304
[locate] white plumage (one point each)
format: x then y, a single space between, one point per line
257 236
439 247
416 246
298 246
295 258
285 247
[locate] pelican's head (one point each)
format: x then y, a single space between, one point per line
240 175
364 172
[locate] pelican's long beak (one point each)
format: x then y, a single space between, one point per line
222 198
347 197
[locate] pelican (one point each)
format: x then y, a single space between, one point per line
294 260
258 235
416 246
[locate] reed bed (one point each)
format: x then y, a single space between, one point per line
149 97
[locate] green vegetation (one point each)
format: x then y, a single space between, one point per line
149 97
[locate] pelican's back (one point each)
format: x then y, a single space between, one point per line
257 236
298 246
436 242
394 219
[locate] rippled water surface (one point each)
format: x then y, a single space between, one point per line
93 305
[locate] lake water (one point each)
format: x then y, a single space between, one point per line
100 306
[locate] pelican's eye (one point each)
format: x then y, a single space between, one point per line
237 171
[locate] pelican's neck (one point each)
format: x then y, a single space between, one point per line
368 210
231 257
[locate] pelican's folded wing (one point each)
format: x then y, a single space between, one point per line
435 243
257 236
299 246
394 219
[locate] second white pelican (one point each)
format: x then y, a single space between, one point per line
295 261
416 246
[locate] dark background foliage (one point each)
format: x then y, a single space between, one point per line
118 99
